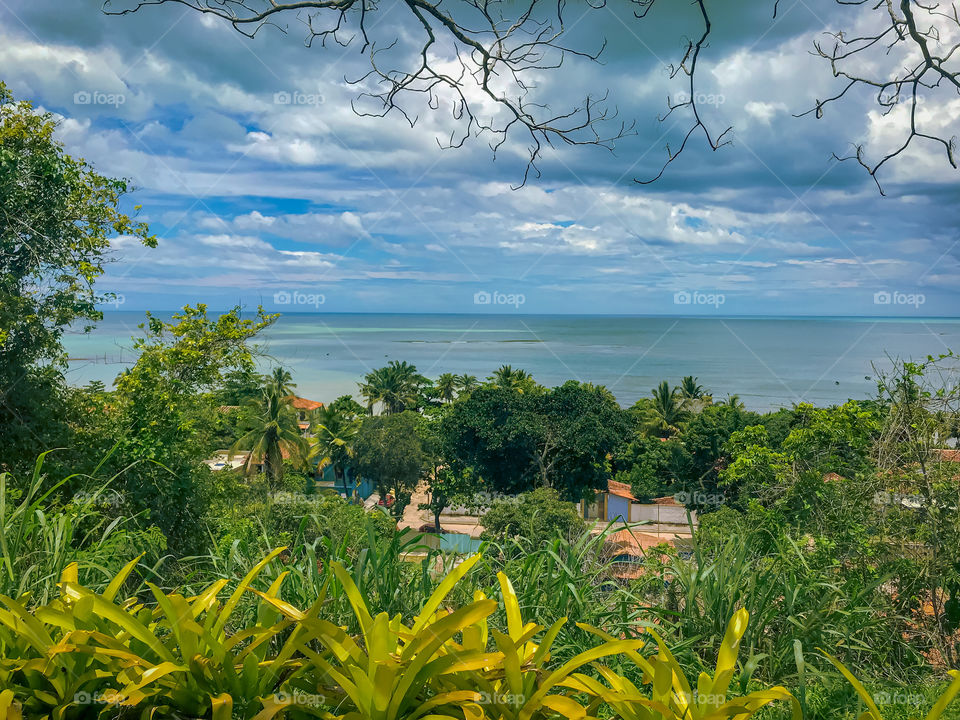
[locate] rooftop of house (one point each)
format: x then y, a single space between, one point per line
303 404
620 489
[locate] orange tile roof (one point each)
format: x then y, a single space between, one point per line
620 489
303 404
634 543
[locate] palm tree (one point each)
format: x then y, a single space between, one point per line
466 384
396 387
690 389
281 382
334 432
372 387
667 411
446 387
506 377
276 432
733 401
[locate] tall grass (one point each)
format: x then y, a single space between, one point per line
41 535
796 608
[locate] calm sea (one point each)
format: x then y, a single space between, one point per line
768 362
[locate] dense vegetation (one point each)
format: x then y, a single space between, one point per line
135 579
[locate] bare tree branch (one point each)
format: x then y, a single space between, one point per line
498 47
688 67
482 58
927 36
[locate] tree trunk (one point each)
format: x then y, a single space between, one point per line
437 509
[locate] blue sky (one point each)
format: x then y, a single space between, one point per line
306 205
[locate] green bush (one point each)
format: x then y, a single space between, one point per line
537 517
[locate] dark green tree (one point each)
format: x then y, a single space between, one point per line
58 216
388 450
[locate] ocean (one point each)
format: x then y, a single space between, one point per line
770 362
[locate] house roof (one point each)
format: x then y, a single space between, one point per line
303 404
619 489
627 542
667 500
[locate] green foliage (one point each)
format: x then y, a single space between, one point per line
652 467
519 440
389 451
335 429
704 439
664 416
833 440
275 435
39 540
507 378
166 404
537 517
203 655
756 471
396 387
58 217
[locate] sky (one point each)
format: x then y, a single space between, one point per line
265 186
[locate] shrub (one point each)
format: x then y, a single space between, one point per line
537 517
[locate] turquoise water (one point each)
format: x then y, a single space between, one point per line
769 362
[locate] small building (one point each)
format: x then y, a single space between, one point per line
618 504
304 407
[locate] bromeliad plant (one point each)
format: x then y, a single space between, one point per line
671 696
208 655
